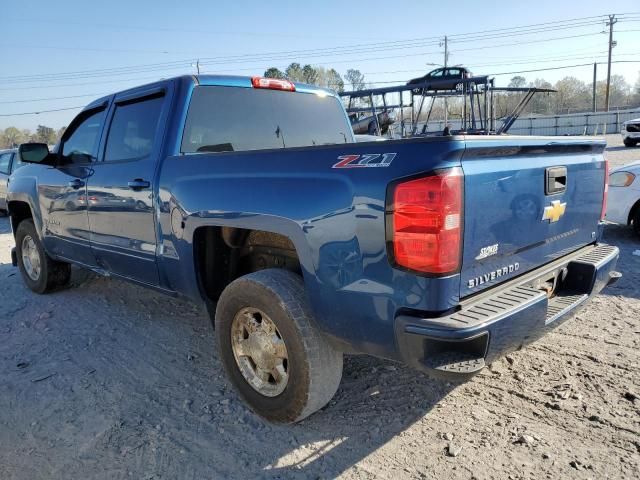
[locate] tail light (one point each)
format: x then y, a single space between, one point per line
606 190
273 84
425 222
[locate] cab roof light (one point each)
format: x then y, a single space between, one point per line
273 84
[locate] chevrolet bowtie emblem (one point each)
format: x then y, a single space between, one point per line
554 212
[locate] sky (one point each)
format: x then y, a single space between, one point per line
64 54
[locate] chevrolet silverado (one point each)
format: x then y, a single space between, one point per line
250 196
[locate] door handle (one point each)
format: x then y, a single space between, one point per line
76 184
138 184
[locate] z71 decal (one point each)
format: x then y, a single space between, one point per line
366 160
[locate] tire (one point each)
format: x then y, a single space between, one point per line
51 274
636 222
629 143
313 366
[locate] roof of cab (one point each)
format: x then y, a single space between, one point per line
211 80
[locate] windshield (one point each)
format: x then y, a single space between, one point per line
228 119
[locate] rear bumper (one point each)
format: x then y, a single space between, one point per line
505 318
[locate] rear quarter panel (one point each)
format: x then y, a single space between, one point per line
334 216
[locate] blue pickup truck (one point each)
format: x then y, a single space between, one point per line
250 196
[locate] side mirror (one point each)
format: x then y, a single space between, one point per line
33 152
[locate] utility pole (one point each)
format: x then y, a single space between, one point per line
446 59
595 74
197 65
612 21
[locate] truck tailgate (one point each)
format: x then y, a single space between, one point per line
528 201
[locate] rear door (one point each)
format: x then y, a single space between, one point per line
528 201
121 189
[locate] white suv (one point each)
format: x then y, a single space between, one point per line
631 132
623 203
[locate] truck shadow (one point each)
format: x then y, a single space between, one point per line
377 401
628 264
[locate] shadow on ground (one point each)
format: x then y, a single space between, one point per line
628 242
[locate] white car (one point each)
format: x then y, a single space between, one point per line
623 203
631 132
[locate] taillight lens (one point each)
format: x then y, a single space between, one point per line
426 217
273 84
606 189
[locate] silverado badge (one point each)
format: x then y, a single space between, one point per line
554 212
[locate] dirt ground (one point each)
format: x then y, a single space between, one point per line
107 381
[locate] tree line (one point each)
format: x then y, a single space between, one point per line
11 137
572 96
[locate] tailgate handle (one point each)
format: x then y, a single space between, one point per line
556 180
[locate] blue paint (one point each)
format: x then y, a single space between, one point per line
334 217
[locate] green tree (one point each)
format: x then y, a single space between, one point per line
572 95
334 80
518 82
294 72
619 92
11 137
274 72
355 78
309 75
60 133
541 103
45 134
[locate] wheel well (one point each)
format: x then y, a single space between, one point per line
223 254
632 213
18 211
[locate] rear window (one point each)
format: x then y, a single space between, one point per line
232 119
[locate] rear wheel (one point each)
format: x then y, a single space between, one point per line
635 221
39 272
277 360
628 142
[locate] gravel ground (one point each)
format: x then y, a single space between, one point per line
108 380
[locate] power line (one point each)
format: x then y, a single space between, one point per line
40 111
351 49
97 95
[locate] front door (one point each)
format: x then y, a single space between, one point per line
62 189
120 191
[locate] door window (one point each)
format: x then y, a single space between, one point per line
81 146
454 72
133 129
5 159
436 73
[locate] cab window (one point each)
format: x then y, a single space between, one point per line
81 145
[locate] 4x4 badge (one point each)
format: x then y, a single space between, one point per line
554 212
